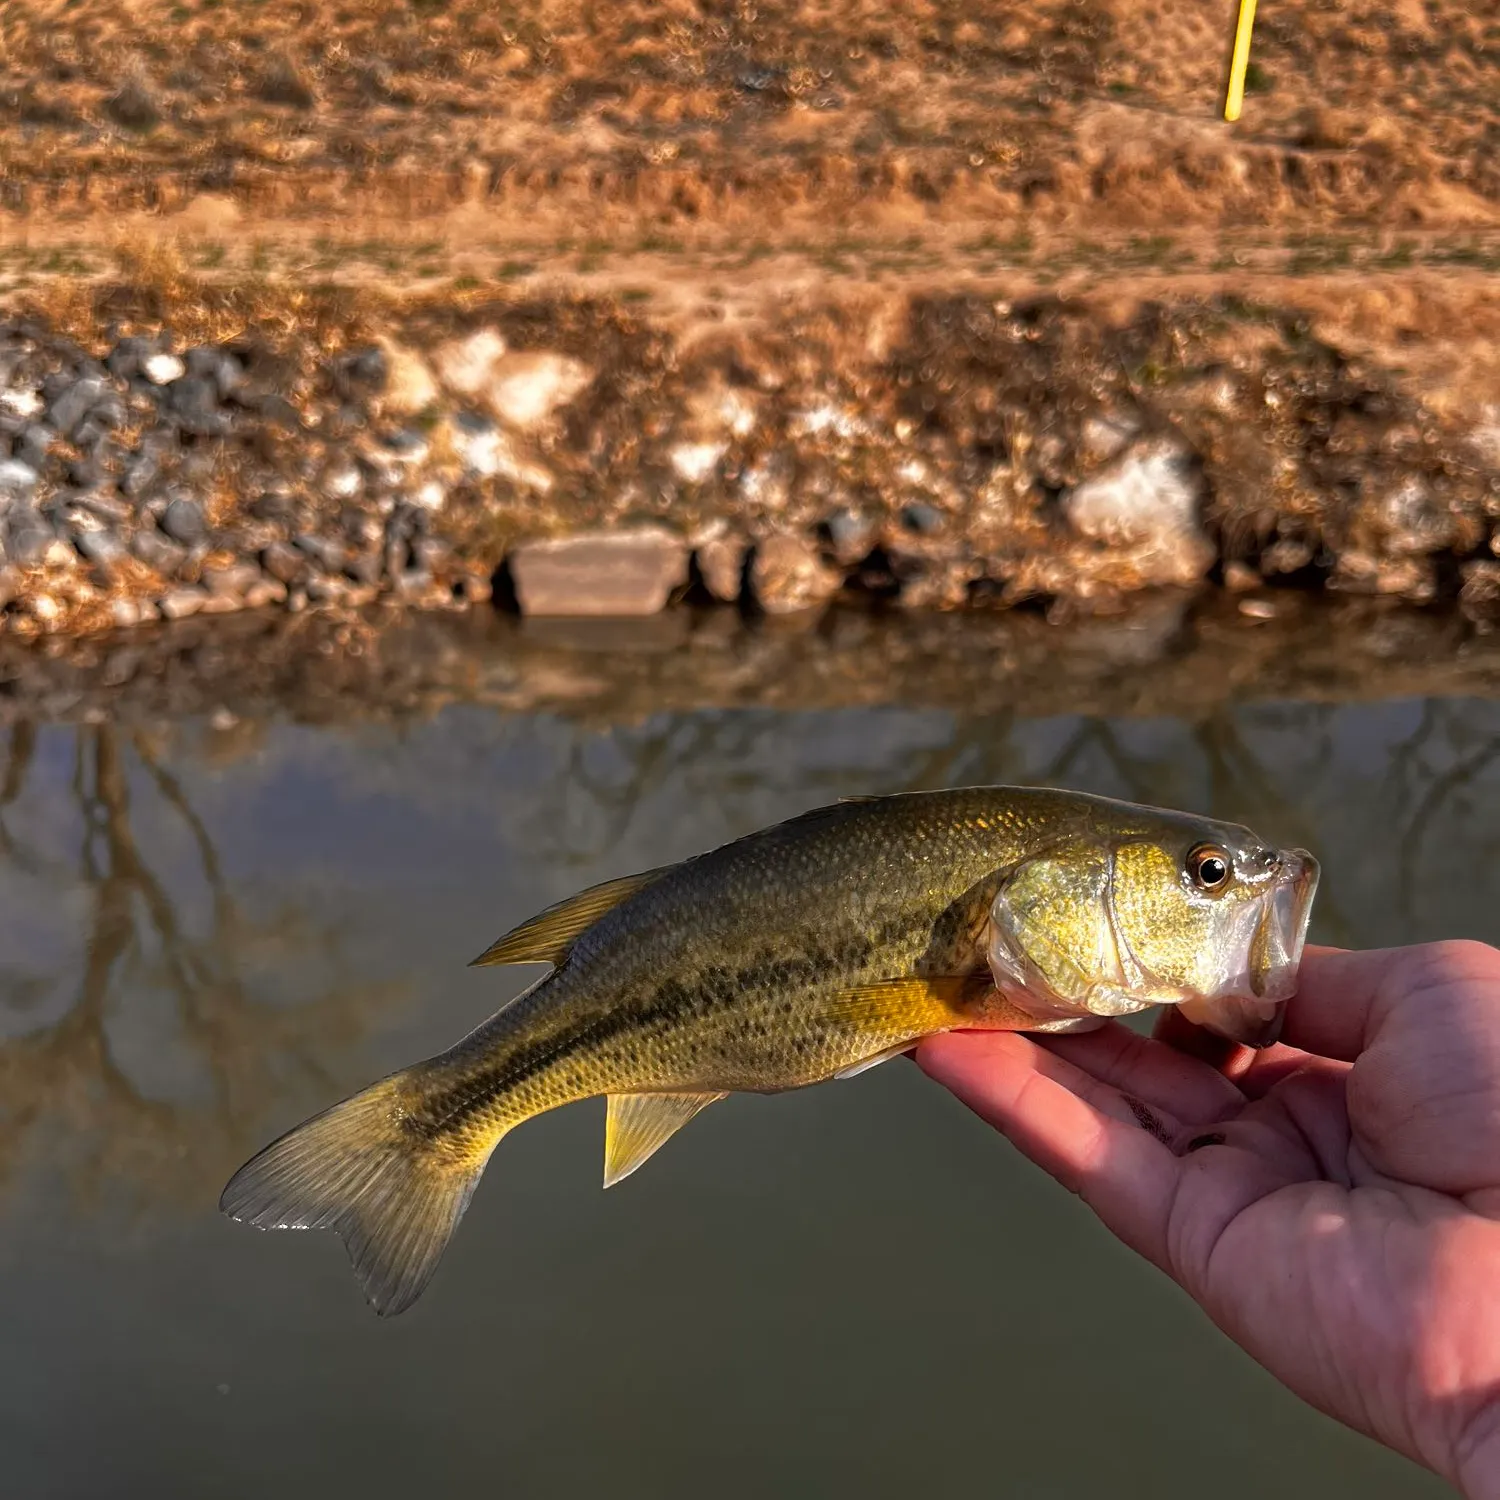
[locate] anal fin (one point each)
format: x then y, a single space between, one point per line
637 1125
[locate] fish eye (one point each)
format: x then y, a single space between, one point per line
1209 868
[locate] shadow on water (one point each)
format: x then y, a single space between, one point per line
212 925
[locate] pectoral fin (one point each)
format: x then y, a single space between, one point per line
548 936
915 1005
639 1124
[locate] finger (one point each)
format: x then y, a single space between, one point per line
1149 1070
1266 1069
1174 1030
1123 1172
1343 998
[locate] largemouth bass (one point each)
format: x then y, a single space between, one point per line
807 951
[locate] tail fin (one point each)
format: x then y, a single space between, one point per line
391 1194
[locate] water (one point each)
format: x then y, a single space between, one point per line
208 932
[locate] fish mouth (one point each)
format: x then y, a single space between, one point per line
1249 1008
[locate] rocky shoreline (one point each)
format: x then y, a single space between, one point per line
575 457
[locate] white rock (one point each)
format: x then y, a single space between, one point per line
342 482
16 478
21 401
527 388
409 385
1103 436
695 462
488 453
431 495
1144 509
163 369
466 365
1149 494
825 417
479 451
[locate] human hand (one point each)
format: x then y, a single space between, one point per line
1333 1202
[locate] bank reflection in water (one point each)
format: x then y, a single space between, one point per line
207 932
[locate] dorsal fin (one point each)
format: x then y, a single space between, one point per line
548 936
639 1124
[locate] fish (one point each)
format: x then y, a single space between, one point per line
807 951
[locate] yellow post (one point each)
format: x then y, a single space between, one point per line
1239 61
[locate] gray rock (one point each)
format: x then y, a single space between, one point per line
217 366
194 401
153 549
184 521
327 553
17 479
276 409
367 367
406 446
127 358
921 518
105 415
273 505
180 603
103 548
104 506
34 445
852 536
27 538
603 573
72 405
141 469
284 563
86 473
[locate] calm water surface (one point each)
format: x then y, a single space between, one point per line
207 932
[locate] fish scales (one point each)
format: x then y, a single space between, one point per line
799 953
636 1008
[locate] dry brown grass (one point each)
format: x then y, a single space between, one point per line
549 117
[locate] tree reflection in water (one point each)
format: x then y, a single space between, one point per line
1397 798
66 1098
